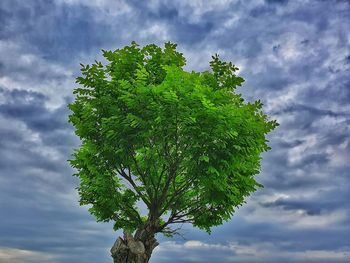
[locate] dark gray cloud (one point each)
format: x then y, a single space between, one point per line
56 33
29 107
294 56
283 2
40 211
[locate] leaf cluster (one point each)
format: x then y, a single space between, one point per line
184 143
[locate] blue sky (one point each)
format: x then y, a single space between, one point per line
295 57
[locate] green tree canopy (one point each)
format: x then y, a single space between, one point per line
183 143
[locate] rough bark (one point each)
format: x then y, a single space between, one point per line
134 249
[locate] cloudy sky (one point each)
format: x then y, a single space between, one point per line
295 57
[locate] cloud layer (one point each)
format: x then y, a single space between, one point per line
294 56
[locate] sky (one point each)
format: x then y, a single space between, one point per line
294 56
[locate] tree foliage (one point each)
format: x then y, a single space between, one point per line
184 143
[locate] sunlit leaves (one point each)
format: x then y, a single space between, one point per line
187 141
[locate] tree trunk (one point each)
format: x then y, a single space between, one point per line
137 249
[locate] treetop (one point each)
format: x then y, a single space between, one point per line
186 144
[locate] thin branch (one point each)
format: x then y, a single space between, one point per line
129 179
190 220
164 168
112 189
177 217
177 194
135 211
172 232
143 178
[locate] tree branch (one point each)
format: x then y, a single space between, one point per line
177 193
129 179
177 217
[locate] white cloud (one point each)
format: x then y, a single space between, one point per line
283 97
115 7
257 252
323 255
28 61
34 73
308 146
156 30
292 219
196 9
340 154
15 255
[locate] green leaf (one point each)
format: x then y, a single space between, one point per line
204 158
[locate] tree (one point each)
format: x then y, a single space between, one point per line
183 143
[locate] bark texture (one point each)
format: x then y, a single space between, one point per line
134 249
